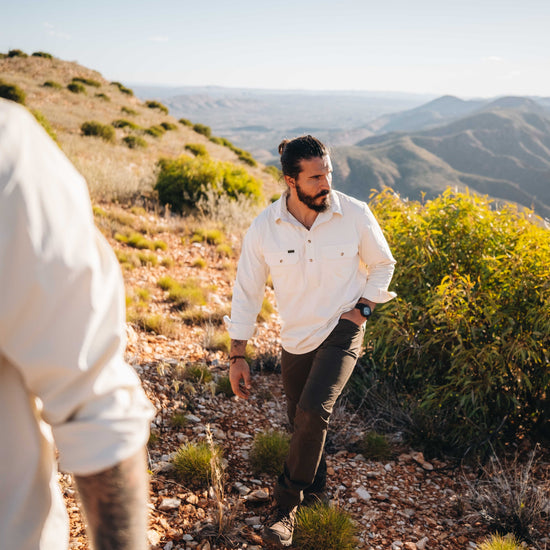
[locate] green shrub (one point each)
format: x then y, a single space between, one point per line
123 88
183 181
157 105
224 250
155 131
197 149
169 126
123 123
94 128
12 92
185 294
192 463
185 122
323 526
498 542
218 340
87 81
137 240
52 84
179 420
134 142
375 446
269 451
45 123
17 53
221 141
466 343
43 54
223 386
155 323
200 263
103 96
128 111
76 88
202 129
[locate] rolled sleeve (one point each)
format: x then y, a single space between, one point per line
376 254
249 288
62 310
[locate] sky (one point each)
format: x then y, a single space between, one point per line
467 48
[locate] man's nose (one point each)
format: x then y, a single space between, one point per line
325 182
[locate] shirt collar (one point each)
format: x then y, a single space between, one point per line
282 213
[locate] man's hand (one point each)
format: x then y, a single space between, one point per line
354 315
240 371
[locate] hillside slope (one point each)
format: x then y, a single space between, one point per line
502 150
112 170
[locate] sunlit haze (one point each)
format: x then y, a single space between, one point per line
478 48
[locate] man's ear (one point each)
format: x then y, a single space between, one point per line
291 182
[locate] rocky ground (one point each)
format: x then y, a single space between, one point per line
405 502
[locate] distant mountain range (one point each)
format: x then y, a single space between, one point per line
500 148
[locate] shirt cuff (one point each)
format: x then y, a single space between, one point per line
238 331
379 296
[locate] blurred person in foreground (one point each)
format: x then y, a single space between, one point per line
63 379
330 265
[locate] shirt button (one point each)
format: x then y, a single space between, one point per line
310 259
281 261
309 241
341 253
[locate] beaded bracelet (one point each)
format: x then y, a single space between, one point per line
237 357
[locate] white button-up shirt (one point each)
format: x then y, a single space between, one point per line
317 274
63 379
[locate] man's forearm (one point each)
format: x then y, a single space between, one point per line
115 505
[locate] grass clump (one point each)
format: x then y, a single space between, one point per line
324 526
202 129
266 311
192 463
209 236
198 373
375 446
273 171
52 84
183 295
123 123
199 263
103 96
123 88
510 498
198 149
137 240
155 323
45 55
155 131
134 142
97 129
87 81
17 53
185 122
498 542
12 92
185 180
76 88
224 250
157 105
169 126
269 450
128 111
223 386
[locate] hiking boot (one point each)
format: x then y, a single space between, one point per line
283 527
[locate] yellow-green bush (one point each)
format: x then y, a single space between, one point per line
94 128
466 343
12 92
157 105
183 181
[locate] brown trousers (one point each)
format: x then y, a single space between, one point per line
312 383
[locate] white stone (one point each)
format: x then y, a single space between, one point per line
363 494
187 537
192 418
169 545
421 544
169 504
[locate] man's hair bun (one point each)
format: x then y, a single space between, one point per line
282 145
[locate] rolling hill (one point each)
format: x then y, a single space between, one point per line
501 149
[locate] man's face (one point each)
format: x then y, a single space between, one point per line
314 183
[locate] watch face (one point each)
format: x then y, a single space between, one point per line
364 309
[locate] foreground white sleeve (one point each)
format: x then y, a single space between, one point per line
376 254
249 288
62 303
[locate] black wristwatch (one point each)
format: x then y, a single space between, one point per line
365 310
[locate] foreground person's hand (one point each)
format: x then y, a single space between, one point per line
239 376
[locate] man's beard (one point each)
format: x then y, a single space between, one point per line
309 200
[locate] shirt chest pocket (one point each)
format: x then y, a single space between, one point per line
284 267
340 262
